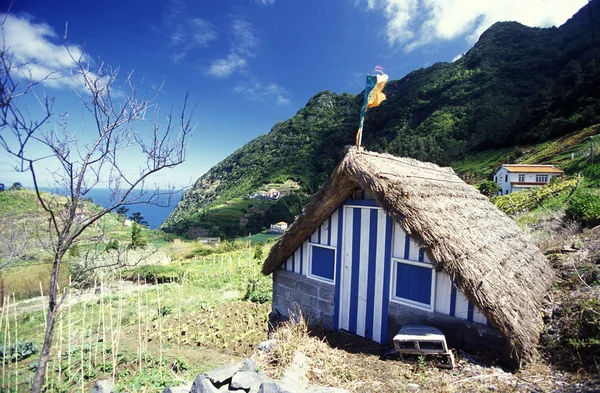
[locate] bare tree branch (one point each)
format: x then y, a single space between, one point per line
81 162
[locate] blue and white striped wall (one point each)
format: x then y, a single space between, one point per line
371 243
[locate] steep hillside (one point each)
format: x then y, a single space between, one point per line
517 85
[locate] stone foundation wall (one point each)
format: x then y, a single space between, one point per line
459 333
314 298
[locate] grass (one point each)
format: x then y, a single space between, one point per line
559 151
480 166
263 237
139 334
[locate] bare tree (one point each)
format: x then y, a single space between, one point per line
82 160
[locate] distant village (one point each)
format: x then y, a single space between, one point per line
272 194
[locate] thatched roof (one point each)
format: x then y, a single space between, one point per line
486 254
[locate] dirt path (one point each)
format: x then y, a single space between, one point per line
77 296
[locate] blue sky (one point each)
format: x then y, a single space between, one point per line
248 64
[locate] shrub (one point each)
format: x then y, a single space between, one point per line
16 186
137 238
585 207
592 175
74 251
489 188
579 333
157 274
259 290
258 252
112 245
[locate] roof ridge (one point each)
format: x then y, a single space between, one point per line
404 160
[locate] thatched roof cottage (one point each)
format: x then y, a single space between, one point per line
391 241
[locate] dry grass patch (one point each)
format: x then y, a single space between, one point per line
346 361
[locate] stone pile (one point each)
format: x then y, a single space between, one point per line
246 377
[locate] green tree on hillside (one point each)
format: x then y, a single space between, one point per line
258 252
16 186
137 237
139 219
489 188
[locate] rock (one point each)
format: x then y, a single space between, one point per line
202 385
247 380
269 387
223 374
295 375
279 387
317 373
177 389
412 385
103 386
249 365
267 346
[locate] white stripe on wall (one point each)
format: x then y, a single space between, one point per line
442 295
324 232
314 237
462 305
426 258
305 258
334 228
346 270
478 316
297 261
413 253
363 273
379 272
398 242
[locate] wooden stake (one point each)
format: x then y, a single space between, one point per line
43 305
16 345
160 332
81 343
5 337
103 323
139 327
70 338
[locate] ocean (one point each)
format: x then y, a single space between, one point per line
155 215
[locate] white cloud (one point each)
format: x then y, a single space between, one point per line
416 23
186 33
265 2
270 92
457 57
242 47
36 56
222 68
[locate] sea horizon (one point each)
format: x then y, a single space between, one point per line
153 214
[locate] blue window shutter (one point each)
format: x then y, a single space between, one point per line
322 262
413 283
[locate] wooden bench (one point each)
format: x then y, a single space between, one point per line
422 340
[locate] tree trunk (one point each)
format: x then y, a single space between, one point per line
38 378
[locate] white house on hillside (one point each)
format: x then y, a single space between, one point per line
512 177
278 228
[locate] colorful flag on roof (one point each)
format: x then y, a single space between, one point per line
373 97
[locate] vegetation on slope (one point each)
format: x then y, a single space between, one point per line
516 86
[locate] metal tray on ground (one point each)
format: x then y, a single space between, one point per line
426 341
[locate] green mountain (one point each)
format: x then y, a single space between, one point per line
518 85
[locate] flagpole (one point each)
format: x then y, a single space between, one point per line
359 134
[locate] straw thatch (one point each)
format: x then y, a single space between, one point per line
486 254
